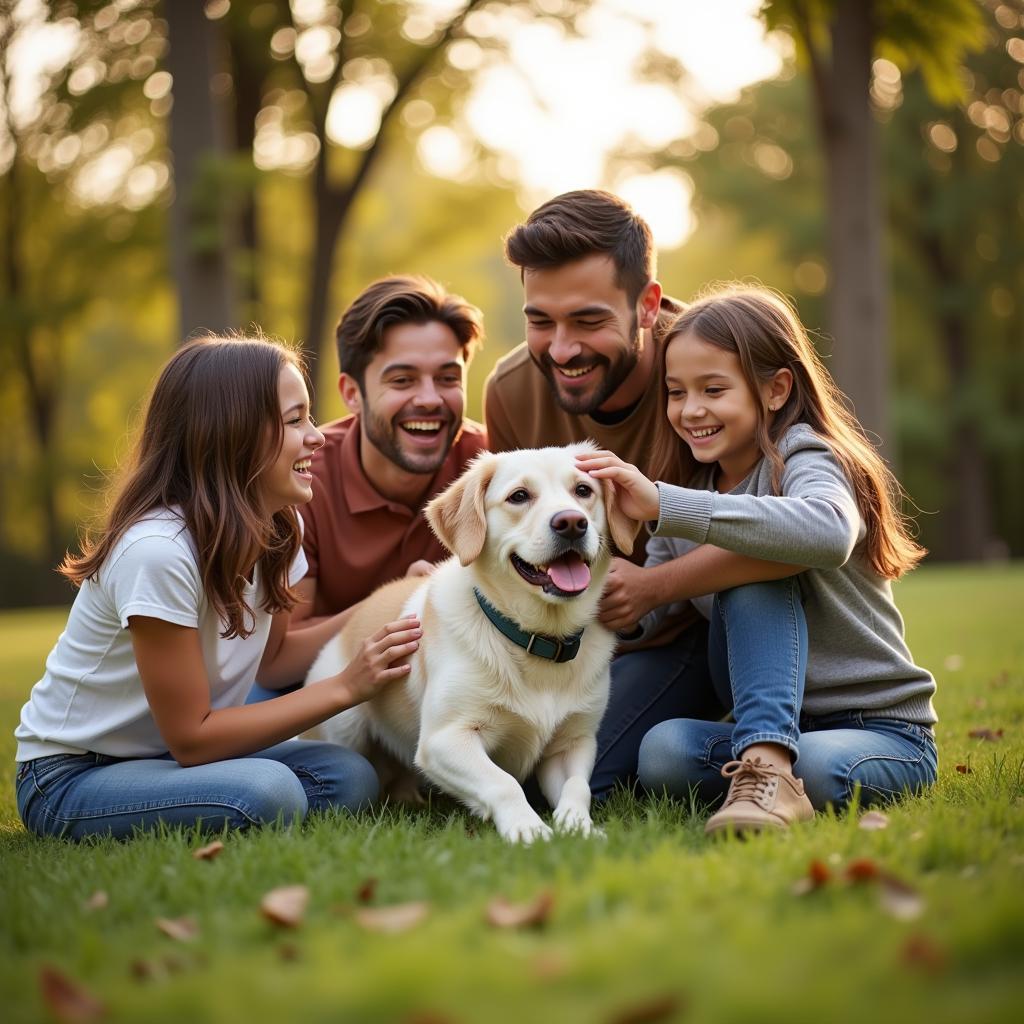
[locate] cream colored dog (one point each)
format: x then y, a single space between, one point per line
479 711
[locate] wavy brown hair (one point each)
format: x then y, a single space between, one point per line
212 426
765 333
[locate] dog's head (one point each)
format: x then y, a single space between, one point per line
532 511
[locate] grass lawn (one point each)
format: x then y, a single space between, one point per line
653 923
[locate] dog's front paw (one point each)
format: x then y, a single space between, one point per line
576 820
523 828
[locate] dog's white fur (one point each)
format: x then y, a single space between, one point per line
477 714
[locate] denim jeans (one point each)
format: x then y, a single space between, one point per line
78 795
757 653
649 687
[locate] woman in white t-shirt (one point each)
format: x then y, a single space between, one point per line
183 601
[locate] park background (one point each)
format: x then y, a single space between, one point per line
176 166
169 168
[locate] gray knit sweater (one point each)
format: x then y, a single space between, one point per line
858 659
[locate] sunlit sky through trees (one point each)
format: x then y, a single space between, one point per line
549 106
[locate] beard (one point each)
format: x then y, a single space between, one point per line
608 375
385 436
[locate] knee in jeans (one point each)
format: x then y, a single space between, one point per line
669 758
749 596
272 789
355 782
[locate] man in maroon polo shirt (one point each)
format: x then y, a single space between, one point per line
403 348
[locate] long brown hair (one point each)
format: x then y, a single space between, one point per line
765 333
212 425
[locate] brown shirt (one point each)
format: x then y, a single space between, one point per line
355 538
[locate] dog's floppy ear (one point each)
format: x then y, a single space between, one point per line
622 529
458 516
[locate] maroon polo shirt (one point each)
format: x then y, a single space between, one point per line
355 538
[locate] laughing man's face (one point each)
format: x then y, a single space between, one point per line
582 331
413 396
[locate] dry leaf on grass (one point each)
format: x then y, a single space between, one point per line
288 952
863 869
989 735
99 900
900 899
399 917
68 1000
817 875
286 905
658 1008
209 851
872 821
181 929
533 914
366 892
922 953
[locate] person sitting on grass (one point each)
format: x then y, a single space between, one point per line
806 644
184 597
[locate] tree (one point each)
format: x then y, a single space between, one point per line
839 40
54 202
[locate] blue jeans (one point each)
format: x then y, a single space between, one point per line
649 687
78 795
757 654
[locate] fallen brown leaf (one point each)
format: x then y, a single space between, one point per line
142 970
654 1009
399 917
862 870
286 905
817 875
965 769
923 953
181 929
899 899
99 900
288 952
66 999
872 821
989 735
366 892
209 851
533 914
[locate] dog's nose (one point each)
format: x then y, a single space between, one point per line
570 525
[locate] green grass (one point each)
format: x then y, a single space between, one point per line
654 922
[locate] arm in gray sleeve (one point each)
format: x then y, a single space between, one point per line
814 522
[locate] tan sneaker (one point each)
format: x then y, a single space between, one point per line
760 796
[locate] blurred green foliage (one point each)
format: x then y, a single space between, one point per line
88 308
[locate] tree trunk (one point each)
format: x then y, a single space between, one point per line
40 384
205 300
857 290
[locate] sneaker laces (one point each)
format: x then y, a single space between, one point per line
750 779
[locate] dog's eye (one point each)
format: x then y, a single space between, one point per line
584 490
519 496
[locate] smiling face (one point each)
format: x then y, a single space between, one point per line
585 336
547 520
412 401
288 480
711 407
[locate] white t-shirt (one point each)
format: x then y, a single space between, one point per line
90 697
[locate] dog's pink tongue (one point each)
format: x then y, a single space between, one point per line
570 573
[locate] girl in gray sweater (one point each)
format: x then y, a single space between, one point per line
789 529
